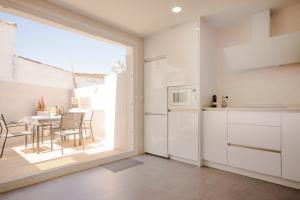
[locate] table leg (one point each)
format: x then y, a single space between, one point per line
80 140
51 137
33 136
38 138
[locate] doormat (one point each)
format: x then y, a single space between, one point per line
122 165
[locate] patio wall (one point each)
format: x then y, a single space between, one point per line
7 50
109 101
35 73
18 99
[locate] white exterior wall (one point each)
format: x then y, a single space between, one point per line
7 50
109 101
33 73
18 99
85 81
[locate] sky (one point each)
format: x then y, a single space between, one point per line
59 48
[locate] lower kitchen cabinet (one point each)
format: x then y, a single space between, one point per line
214 136
291 146
265 162
183 135
266 137
264 142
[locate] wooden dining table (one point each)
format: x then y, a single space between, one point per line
37 122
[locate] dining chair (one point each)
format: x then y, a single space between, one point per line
87 123
4 127
70 125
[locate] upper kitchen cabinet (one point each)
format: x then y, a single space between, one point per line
291 146
263 50
180 46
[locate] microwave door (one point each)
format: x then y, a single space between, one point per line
180 98
183 98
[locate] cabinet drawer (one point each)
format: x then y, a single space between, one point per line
265 137
254 118
255 160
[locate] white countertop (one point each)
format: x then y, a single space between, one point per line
259 109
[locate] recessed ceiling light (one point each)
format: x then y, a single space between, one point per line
176 9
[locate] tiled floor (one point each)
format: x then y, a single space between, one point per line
157 178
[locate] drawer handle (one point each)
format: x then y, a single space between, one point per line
256 148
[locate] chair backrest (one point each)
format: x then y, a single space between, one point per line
71 120
3 124
88 116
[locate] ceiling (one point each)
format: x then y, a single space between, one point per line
145 17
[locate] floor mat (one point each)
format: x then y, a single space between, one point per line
122 165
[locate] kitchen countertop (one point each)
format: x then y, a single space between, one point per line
259 109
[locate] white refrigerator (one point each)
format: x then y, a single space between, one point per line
155 107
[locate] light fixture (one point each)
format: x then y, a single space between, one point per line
176 9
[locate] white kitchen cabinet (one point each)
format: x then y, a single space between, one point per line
255 160
214 136
291 146
180 45
265 142
254 118
155 87
265 137
156 135
273 51
255 141
183 135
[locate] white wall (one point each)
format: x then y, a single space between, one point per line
273 86
109 101
208 62
27 71
7 50
85 81
18 99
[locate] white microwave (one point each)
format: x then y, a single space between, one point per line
183 97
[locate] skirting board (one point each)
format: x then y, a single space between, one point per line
272 179
197 163
62 171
